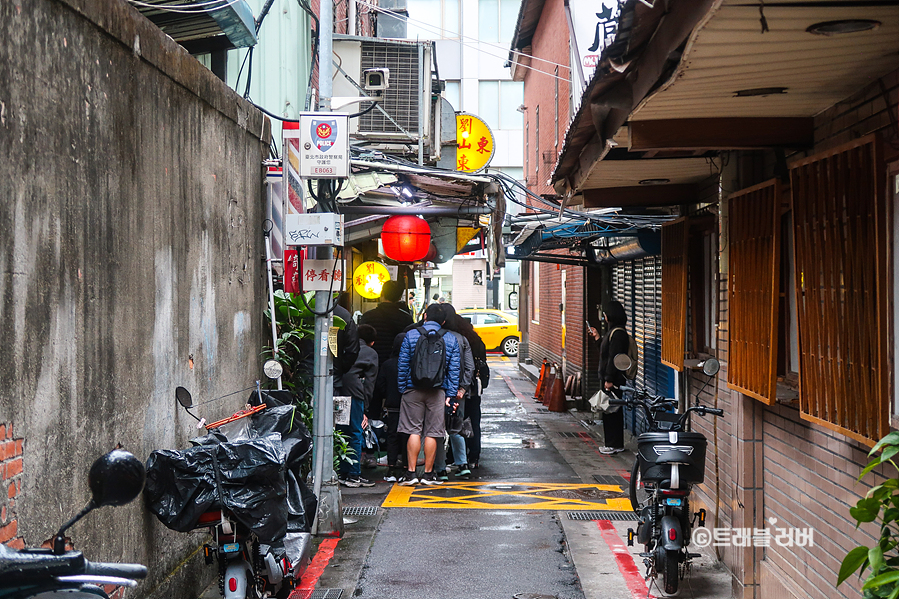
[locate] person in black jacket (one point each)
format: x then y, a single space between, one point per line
615 341
387 390
359 383
390 317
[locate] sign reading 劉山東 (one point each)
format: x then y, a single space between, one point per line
474 143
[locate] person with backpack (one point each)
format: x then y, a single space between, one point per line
615 341
428 373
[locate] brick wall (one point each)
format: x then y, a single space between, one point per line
546 335
766 462
11 449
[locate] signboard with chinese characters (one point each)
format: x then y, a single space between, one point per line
292 268
321 275
369 278
324 145
593 27
474 143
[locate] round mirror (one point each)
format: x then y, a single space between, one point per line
116 478
622 362
183 397
711 367
273 369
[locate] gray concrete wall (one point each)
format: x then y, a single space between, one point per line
131 206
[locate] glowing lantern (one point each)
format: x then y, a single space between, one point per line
369 278
406 238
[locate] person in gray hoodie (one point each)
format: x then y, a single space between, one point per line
359 383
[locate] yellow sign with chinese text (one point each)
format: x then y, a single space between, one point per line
474 143
369 278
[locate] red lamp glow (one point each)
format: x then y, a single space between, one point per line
406 238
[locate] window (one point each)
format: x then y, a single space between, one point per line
537 143
535 303
452 93
433 19
494 319
674 293
556 103
498 103
840 228
496 20
753 290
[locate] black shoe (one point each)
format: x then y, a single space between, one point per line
463 470
363 482
348 481
429 478
408 479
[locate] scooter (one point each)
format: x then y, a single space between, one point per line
39 573
670 460
257 555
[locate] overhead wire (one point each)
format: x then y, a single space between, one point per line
197 7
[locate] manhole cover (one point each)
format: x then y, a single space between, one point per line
603 515
358 510
586 494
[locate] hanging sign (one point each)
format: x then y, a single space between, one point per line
322 275
474 143
292 268
325 145
369 278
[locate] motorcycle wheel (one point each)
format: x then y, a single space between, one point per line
639 496
670 570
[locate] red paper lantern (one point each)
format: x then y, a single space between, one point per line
406 238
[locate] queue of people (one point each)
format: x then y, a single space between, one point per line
427 397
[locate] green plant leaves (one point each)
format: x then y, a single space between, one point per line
854 560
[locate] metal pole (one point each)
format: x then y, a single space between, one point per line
271 297
329 517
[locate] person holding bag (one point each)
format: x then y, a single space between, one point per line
615 341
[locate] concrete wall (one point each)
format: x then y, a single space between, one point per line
131 210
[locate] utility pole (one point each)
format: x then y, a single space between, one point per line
329 519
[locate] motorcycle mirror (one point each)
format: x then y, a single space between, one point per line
183 397
710 367
116 478
622 362
273 369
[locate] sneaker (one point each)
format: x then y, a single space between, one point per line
451 467
349 482
443 475
463 470
408 479
610 450
391 475
362 482
429 478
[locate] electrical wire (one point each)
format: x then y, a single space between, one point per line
193 8
471 40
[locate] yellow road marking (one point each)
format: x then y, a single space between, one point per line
510 496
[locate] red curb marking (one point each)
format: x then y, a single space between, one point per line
316 568
632 577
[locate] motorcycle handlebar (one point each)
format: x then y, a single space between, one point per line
119 570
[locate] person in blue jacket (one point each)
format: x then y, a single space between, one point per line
422 410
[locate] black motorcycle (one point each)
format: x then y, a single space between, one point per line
58 573
670 460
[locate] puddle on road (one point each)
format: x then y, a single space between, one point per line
512 442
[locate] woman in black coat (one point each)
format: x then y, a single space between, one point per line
615 341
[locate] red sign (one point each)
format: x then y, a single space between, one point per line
291 271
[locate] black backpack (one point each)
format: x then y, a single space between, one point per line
429 359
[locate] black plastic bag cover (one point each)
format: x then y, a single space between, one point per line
283 420
181 485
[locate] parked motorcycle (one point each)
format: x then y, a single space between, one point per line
670 460
39 573
242 483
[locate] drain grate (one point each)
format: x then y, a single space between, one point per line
359 510
318 594
603 515
609 479
578 435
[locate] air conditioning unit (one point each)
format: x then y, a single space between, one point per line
404 116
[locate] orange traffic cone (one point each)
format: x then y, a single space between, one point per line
538 392
557 402
550 381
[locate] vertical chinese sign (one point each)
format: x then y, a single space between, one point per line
474 143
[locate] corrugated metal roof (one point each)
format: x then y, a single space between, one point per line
731 53
230 20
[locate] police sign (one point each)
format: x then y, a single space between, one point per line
324 145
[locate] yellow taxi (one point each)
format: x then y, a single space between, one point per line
498 330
